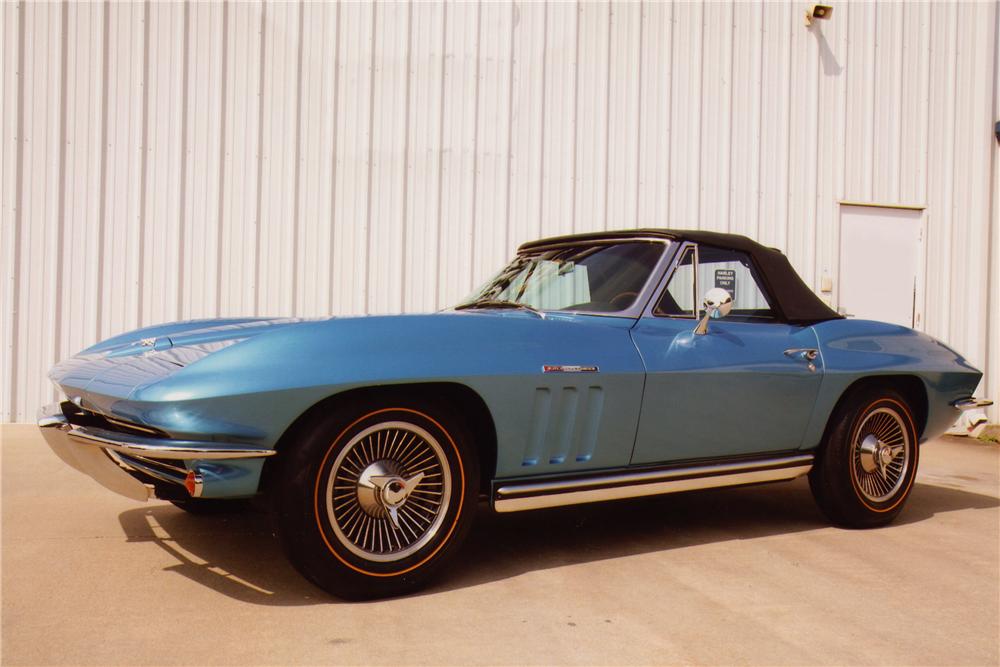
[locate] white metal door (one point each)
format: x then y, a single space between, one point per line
879 263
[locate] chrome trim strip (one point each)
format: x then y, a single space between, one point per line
169 449
611 240
668 273
159 465
528 496
125 424
971 403
155 472
570 369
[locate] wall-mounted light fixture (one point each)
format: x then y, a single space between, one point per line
818 12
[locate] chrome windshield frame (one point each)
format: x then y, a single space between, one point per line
638 306
649 311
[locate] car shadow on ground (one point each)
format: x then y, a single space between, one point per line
237 555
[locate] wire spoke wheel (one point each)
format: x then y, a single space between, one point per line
388 491
880 454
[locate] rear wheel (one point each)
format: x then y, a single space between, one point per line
865 470
375 498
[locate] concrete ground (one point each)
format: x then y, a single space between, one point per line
740 576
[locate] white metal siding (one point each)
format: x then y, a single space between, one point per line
165 160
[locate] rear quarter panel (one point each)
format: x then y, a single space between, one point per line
856 349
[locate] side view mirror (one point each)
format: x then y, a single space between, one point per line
718 302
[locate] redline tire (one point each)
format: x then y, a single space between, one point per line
865 469
375 498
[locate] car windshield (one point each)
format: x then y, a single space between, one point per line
599 278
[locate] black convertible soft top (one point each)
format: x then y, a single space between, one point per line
796 303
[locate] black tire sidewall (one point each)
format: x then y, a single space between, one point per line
833 480
300 509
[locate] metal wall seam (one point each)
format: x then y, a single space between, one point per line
162 151
457 206
941 168
652 205
280 153
424 158
887 110
203 188
39 181
84 138
593 23
11 163
716 113
350 260
320 44
490 245
387 175
992 301
744 141
970 222
559 124
774 135
528 103
685 112
831 134
623 115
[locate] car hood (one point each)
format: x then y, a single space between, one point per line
203 361
119 366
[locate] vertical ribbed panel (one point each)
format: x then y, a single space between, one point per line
181 160
11 49
317 91
623 115
593 26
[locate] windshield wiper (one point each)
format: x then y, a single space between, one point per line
497 303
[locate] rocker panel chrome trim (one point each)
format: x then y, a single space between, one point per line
528 496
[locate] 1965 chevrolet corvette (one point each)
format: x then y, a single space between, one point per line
587 369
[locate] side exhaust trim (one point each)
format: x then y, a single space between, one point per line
518 497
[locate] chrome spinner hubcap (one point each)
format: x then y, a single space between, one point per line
881 454
388 491
382 490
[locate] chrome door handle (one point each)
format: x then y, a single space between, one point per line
806 354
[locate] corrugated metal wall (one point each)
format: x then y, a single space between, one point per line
168 160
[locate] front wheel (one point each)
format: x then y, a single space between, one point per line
375 498
865 470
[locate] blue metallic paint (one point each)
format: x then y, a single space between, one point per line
246 381
853 350
732 391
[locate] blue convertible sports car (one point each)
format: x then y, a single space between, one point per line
590 368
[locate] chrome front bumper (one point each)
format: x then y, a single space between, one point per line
128 464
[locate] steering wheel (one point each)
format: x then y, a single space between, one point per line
622 300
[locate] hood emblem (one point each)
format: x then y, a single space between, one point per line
148 342
570 369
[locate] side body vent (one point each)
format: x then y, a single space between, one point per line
564 425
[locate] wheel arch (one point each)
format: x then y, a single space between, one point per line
466 402
910 386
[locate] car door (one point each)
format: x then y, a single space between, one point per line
746 386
